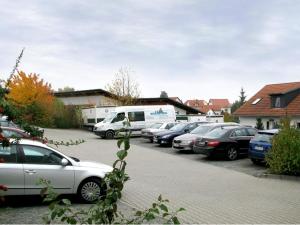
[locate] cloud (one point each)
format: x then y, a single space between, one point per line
192 49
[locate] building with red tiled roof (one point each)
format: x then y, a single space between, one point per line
222 103
211 108
271 103
195 103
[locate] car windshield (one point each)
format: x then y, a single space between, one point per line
178 127
263 137
156 125
201 130
109 117
216 133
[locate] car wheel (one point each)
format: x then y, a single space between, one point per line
232 152
256 161
109 134
90 190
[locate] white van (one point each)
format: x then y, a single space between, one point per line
140 117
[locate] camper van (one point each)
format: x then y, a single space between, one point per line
139 117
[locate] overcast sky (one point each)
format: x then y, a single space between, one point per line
190 49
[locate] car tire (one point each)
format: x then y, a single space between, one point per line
90 190
110 134
231 152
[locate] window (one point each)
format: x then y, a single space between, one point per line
298 125
119 117
251 131
11 134
8 154
256 101
136 116
277 102
169 126
192 126
239 133
39 155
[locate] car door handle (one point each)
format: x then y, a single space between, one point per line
30 171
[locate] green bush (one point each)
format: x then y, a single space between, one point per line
284 156
66 116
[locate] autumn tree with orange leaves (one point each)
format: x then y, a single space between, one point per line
33 97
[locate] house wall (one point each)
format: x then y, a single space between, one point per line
97 100
251 121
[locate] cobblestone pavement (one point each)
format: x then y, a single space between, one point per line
210 192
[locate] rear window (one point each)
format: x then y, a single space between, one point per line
263 137
156 125
201 130
216 133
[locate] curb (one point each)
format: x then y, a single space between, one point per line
278 177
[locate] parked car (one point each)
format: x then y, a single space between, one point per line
187 141
11 132
23 164
260 145
166 137
227 141
5 123
148 133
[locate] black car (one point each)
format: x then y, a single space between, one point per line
166 137
226 141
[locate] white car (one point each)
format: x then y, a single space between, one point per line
148 133
23 164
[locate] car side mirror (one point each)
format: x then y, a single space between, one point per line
186 130
64 162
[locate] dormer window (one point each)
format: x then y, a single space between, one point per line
277 102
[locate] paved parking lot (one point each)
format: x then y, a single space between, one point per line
211 191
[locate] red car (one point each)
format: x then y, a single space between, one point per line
11 132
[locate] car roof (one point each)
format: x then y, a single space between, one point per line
30 142
271 131
11 128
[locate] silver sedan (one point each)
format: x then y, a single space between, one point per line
23 164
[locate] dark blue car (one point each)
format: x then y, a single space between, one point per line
166 137
260 145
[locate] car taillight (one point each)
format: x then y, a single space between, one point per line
213 143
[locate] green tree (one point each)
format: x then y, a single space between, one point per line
259 124
66 89
238 103
163 94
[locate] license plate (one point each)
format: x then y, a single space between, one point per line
175 144
259 148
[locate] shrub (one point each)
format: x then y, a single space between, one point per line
284 156
66 116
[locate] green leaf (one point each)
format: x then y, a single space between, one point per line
126 144
119 143
163 207
122 154
138 213
175 220
159 198
66 201
181 209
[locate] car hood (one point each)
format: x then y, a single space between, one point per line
153 130
186 137
103 167
168 132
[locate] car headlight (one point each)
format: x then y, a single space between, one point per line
166 136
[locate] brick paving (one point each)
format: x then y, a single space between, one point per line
210 194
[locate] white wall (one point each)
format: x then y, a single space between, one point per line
97 100
180 111
251 121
